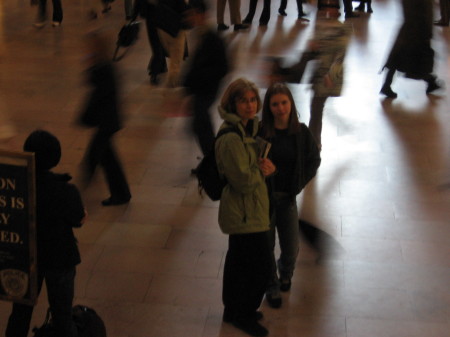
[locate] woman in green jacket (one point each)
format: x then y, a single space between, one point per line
244 208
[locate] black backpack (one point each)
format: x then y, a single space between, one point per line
209 179
87 321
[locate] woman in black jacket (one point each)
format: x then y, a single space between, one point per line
297 158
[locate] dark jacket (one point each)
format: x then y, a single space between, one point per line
58 209
412 53
307 161
102 107
209 65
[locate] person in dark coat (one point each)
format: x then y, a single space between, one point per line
157 64
59 208
411 53
207 68
102 112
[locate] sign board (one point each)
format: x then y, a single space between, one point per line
18 268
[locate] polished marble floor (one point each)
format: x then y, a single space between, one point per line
153 268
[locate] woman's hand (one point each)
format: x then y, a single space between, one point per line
266 166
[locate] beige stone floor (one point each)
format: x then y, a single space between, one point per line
153 268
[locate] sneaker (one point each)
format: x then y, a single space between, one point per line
435 85
56 23
39 24
274 299
250 326
387 91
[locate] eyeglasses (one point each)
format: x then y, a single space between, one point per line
243 100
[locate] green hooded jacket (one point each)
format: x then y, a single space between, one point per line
244 205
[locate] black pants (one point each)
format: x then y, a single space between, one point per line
201 124
57 10
283 5
246 273
157 64
265 14
101 152
60 292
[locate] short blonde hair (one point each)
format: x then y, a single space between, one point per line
236 90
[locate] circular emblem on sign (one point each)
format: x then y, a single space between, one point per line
14 282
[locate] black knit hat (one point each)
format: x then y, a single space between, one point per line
46 148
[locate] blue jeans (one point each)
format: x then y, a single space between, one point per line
60 292
285 221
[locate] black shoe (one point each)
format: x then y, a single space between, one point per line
285 285
263 23
229 316
360 8
250 326
274 300
282 12
387 91
369 9
441 23
222 26
113 201
301 17
435 85
240 27
247 21
351 15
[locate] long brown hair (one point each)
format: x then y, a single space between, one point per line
268 121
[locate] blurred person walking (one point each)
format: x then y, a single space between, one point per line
244 208
102 112
295 154
328 47
207 67
411 53
157 64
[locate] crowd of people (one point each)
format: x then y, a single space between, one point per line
258 204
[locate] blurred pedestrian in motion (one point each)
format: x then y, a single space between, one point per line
59 208
244 208
235 15
57 16
295 154
207 66
157 64
412 53
328 48
170 22
102 112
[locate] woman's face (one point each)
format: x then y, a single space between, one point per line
247 106
280 106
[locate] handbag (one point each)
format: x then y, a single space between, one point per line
127 36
